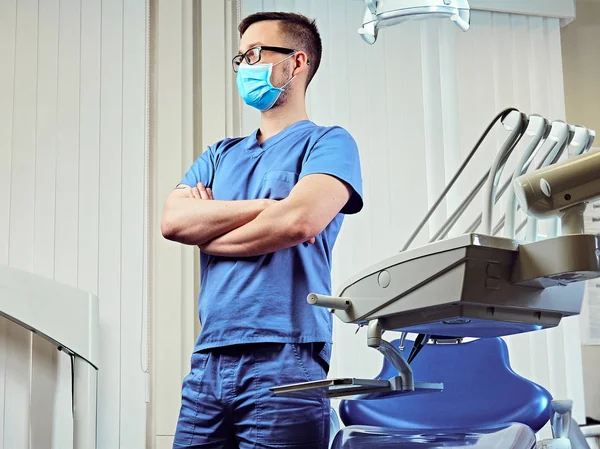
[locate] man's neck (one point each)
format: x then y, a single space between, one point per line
276 120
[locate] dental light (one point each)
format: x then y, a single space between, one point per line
385 13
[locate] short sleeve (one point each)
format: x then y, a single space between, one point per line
202 170
336 154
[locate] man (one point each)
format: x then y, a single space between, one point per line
265 211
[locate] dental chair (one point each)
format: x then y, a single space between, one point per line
478 285
484 404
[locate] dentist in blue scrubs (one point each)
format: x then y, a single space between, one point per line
265 210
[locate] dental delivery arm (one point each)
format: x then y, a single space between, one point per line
304 214
192 221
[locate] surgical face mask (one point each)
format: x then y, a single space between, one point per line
255 87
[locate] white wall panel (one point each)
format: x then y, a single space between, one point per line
174 305
416 102
72 205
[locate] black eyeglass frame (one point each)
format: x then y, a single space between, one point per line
237 59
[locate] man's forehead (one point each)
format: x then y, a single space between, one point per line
261 33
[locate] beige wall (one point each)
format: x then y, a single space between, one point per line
581 62
191 74
581 66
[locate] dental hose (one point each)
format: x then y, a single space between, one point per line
501 116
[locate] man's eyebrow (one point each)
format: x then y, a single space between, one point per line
253 44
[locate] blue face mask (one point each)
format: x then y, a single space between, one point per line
254 85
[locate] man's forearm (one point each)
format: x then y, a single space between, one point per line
274 229
194 222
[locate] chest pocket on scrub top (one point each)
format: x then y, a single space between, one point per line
277 185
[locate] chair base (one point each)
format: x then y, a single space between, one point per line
514 436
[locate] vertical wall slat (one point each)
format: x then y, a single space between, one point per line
18 367
67 197
45 357
89 145
23 138
110 211
44 379
133 159
167 313
8 25
67 155
17 380
189 271
46 139
3 360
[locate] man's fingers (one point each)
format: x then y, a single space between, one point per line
195 192
210 194
202 190
311 241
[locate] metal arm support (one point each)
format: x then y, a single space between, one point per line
392 354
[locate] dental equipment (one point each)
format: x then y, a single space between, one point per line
500 117
562 190
554 147
68 318
514 122
386 13
579 142
477 285
514 127
538 129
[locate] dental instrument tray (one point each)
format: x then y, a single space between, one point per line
473 286
350 387
469 286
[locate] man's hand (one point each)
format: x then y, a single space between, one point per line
199 192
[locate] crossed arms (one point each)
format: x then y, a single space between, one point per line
253 227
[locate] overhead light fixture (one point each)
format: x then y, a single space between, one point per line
386 13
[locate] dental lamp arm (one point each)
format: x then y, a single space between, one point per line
304 214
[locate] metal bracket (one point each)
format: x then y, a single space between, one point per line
405 380
365 389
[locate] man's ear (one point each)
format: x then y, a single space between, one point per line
302 63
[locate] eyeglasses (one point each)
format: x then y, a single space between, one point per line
253 55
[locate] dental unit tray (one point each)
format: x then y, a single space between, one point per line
472 286
476 285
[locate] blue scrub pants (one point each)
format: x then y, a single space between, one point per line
226 402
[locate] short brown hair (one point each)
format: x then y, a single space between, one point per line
299 29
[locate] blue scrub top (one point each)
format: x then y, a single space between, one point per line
263 299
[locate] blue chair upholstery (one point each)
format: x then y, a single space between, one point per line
482 395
